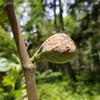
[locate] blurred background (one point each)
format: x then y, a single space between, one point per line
77 80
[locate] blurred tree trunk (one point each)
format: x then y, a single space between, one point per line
55 22
61 17
70 71
91 58
61 29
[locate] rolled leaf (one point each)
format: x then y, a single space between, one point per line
59 48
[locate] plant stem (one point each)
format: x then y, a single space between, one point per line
27 65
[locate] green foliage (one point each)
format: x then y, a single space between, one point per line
7 46
4 65
47 76
49 87
82 23
2 2
86 89
13 84
71 25
3 15
54 92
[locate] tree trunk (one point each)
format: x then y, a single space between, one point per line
28 67
55 22
70 72
68 65
61 17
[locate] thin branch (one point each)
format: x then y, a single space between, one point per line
28 67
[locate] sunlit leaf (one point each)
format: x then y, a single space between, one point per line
7 81
2 2
4 65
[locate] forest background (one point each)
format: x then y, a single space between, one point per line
77 80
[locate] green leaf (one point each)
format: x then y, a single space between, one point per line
2 2
8 81
4 65
2 15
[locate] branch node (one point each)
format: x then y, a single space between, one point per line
29 66
8 3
